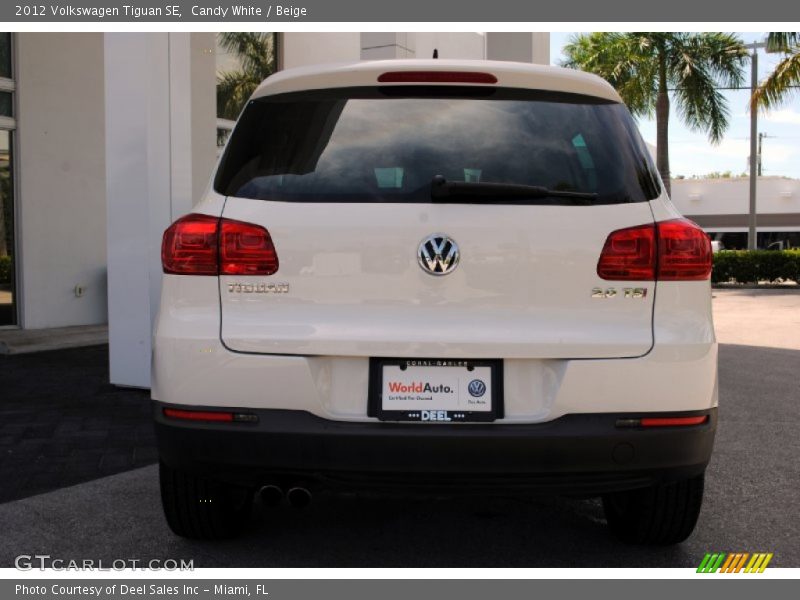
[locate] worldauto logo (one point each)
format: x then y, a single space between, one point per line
418 388
476 388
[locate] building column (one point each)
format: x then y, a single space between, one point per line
378 46
521 47
148 183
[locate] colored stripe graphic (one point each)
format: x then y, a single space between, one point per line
719 562
703 563
758 563
734 562
741 562
726 567
711 562
765 563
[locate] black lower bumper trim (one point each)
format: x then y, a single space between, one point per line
578 453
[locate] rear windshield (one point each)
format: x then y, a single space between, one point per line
387 144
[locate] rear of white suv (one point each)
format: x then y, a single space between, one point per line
437 276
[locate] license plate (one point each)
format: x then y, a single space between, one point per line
435 390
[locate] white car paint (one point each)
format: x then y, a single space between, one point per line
509 74
564 351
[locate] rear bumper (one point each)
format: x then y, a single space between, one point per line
577 453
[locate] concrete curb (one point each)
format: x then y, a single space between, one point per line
22 341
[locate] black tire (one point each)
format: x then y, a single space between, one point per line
658 515
200 508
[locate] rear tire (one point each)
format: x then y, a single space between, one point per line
200 508
661 514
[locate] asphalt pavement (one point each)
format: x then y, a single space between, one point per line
63 423
751 504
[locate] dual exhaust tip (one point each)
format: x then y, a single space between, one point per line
296 496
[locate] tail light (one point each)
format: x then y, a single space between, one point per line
684 251
189 246
629 254
246 249
436 77
206 245
676 250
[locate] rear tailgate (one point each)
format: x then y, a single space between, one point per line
342 180
522 289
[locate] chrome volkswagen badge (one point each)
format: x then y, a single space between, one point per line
438 254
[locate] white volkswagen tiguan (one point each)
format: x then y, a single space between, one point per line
435 276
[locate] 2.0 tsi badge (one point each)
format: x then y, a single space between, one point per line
438 254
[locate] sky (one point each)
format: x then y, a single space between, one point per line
692 154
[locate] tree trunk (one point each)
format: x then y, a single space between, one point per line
662 126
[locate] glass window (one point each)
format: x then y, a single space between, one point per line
6 104
7 309
778 240
5 55
387 144
8 313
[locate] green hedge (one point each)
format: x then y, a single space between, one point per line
5 269
752 266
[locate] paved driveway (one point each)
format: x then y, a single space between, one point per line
758 317
751 503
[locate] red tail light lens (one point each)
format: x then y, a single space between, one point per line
205 245
436 77
189 246
629 254
676 250
673 421
246 249
684 251
198 415
663 421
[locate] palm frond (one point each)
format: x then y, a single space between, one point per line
255 51
234 88
782 41
624 60
780 85
699 64
256 55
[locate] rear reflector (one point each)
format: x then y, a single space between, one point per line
210 416
673 421
198 415
436 77
676 250
206 245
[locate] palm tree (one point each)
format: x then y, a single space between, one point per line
645 67
256 54
780 85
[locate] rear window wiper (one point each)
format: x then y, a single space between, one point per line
444 191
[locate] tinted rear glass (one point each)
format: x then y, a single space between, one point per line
387 144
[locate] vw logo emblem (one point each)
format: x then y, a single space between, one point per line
476 388
438 254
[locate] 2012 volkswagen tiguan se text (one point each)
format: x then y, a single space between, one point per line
435 276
